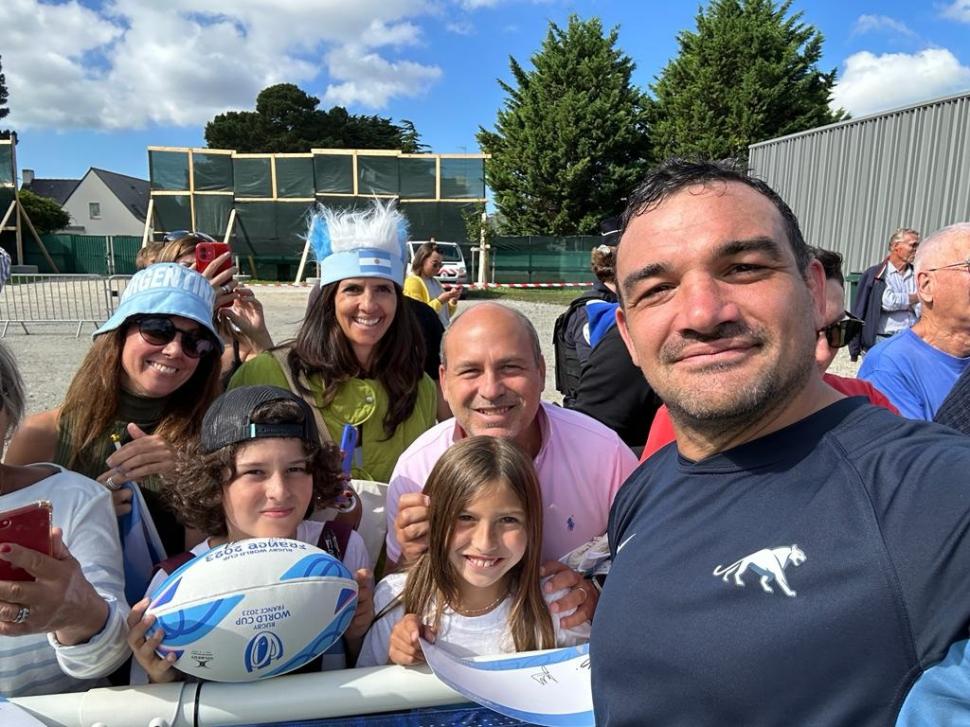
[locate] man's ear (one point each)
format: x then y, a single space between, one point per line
924 286
815 279
625 335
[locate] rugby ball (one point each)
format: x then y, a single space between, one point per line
253 609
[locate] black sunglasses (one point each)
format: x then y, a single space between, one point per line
841 332
160 331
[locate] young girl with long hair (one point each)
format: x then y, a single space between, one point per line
476 590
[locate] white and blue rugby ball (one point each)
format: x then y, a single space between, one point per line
253 609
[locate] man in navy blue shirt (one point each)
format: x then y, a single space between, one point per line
796 558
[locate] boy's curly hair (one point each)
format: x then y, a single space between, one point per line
195 494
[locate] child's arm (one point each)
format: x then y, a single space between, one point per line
363 614
156 668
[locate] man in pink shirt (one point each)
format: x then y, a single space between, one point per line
492 375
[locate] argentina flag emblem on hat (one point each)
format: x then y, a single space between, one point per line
374 262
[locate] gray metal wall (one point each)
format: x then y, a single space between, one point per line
852 184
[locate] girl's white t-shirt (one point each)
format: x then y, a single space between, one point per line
460 635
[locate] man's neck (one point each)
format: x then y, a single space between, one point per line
697 443
898 263
948 339
531 439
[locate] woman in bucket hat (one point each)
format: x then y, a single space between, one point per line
140 393
358 357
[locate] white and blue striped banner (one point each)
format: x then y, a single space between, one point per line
141 546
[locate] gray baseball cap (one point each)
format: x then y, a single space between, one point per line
229 419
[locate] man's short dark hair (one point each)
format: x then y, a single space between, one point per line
675 174
832 263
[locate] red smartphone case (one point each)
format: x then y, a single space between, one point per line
206 252
30 527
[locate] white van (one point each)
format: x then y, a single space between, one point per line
453 270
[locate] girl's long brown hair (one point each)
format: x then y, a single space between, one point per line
466 470
91 402
322 348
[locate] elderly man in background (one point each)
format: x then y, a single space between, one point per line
887 298
917 368
492 375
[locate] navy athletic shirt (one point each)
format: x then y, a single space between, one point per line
819 575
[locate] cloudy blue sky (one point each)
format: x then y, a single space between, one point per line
93 83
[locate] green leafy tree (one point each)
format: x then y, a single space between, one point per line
747 74
45 214
287 119
570 140
3 92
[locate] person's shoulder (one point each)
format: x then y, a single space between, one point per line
432 442
389 588
570 423
260 369
66 482
873 433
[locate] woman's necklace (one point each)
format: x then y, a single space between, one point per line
479 611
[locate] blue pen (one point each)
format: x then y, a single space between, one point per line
348 443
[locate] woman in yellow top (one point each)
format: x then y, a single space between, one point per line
359 355
422 285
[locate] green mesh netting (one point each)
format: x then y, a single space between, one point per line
294 177
173 212
542 259
333 174
462 179
212 213
377 175
417 178
8 174
252 177
169 170
212 172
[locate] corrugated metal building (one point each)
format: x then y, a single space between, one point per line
853 183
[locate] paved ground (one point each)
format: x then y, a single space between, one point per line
50 354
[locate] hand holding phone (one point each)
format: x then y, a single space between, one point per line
30 527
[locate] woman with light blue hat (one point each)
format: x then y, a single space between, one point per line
139 395
358 356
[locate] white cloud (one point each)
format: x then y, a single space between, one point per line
460 27
876 23
368 79
135 63
958 10
872 83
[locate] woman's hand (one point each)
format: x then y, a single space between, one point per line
158 669
60 600
246 315
223 280
404 647
449 295
144 455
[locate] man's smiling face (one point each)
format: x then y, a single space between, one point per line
490 375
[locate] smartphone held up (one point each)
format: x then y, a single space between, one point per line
30 527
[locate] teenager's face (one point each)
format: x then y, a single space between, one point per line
271 491
365 309
488 540
432 265
154 371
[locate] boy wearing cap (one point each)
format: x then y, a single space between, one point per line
257 471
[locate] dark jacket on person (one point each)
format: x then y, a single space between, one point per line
955 409
569 345
613 391
868 307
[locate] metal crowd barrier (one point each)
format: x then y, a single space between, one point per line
80 299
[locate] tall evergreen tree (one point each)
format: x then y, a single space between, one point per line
3 92
287 119
747 74
570 140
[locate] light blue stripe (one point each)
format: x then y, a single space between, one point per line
530 661
24 668
941 695
376 268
